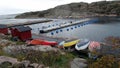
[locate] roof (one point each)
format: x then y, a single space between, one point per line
3 26
22 28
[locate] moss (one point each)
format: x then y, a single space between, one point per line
107 61
51 58
6 65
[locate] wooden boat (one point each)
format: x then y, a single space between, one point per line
83 44
71 43
42 42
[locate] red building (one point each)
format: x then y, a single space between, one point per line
3 29
23 33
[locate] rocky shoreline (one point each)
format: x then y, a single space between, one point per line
77 10
17 54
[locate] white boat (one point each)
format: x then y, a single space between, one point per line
82 44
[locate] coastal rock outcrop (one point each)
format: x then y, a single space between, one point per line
16 49
77 10
14 63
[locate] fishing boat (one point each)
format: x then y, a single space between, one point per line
42 42
82 44
71 43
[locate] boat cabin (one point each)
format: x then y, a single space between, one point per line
3 29
21 32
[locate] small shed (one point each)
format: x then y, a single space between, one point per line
22 32
3 29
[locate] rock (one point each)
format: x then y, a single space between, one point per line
4 42
35 65
6 64
77 10
41 66
8 59
19 65
78 63
23 49
25 63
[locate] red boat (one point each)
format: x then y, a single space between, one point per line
42 42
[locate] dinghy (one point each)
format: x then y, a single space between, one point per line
42 42
71 43
82 44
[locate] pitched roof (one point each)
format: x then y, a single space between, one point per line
22 28
3 26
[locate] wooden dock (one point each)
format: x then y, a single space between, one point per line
28 23
64 25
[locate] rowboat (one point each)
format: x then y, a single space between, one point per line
71 43
42 42
82 44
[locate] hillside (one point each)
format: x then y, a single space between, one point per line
77 10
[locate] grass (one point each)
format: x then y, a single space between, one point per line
50 58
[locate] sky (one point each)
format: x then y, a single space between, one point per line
20 6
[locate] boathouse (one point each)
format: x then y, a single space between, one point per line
21 32
3 29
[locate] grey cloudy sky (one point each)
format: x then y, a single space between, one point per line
20 6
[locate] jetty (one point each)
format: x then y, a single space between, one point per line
48 29
28 23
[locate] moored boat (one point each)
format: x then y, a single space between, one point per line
42 42
82 44
71 43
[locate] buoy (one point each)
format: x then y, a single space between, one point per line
56 31
52 33
75 26
49 26
72 28
61 30
67 29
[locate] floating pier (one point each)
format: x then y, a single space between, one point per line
28 23
63 25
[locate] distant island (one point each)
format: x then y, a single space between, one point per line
77 10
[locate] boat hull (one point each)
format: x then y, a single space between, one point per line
69 44
82 45
42 42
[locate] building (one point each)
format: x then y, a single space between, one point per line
3 29
21 32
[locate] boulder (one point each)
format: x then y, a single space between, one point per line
35 65
25 63
23 49
78 63
8 59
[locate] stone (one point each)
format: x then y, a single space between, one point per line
23 49
8 59
78 63
35 65
41 66
19 65
25 63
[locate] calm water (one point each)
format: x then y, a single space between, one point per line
94 31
